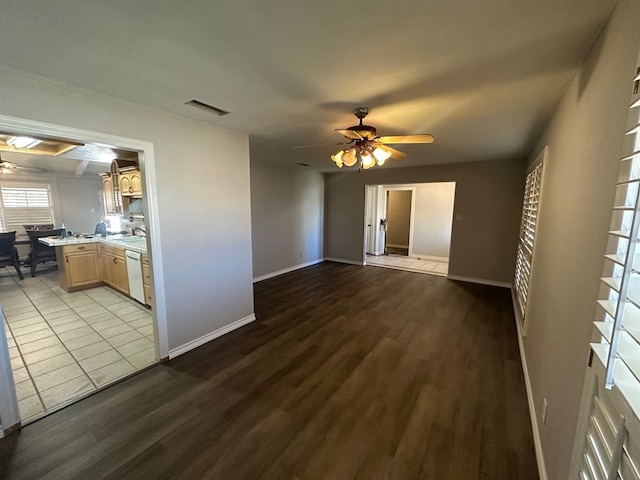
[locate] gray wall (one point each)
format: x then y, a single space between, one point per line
202 192
433 219
585 142
286 217
488 206
398 217
80 207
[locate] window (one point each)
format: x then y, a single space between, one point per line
526 242
24 205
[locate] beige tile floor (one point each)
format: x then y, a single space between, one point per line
66 345
411 264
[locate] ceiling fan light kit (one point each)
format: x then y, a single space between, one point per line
368 148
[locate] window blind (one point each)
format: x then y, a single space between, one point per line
24 205
526 241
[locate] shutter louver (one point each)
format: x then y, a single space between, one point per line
24 206
618 318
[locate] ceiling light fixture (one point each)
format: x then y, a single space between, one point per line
363 153
23 142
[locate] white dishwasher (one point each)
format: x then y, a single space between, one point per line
134 271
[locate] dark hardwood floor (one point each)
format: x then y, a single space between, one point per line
349 372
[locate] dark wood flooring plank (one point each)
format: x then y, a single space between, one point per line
347 373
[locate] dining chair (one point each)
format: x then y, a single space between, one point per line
9 253
40 252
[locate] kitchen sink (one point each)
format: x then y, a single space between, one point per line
132 240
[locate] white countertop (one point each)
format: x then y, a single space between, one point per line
128 242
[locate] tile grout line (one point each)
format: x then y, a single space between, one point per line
22 356
95 387
49 290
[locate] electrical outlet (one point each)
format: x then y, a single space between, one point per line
300 255
545 407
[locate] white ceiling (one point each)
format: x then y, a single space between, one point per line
481 76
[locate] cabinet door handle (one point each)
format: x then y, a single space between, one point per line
66 258
81 248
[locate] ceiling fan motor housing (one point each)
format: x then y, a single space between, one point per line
365 131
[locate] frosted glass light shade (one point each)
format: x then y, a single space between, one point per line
381 155
22 142
367 160
349 157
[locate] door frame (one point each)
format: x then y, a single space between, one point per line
9 412
148 170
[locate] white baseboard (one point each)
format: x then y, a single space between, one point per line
394 245
430 258
210 336
481 281
537 440
342 260
286 270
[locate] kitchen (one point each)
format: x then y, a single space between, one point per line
87 323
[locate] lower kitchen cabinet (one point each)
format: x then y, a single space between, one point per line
146 279
114 268
78 266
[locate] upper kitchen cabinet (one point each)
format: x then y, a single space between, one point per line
109 197
131 184
122 181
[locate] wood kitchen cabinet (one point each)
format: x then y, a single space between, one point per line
113 266
146 279
131 184
122 180
78 266
109 195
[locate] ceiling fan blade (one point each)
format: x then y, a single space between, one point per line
314 145
418 138
349 134
323 144
397 154
31 169
10 167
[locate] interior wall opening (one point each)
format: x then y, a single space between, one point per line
408 226
84 317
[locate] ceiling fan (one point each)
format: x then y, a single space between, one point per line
11 168
367 148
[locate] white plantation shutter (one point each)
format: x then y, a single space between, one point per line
617 327
607 447
526 241
24 205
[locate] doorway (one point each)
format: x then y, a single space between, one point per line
408 226
105 334
399 222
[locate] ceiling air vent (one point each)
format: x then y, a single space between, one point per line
208 108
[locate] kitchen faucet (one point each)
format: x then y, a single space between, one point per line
138 229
